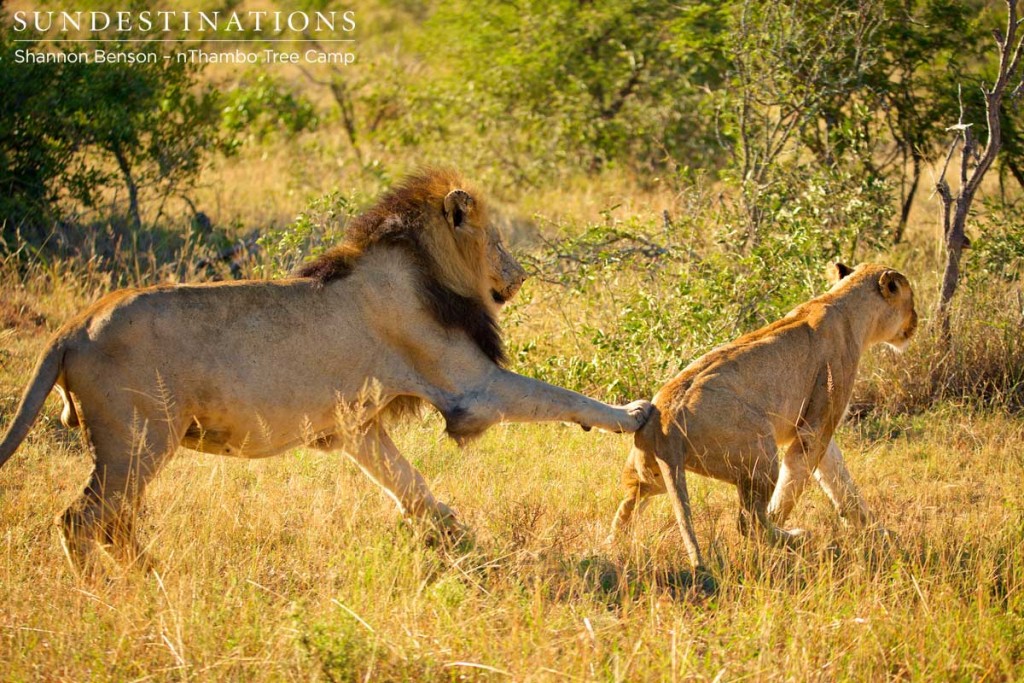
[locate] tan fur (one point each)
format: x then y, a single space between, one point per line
402 312
785 385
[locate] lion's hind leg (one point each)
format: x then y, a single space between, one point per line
103 516
127 457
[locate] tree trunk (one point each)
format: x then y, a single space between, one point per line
133 188
955 241
909 199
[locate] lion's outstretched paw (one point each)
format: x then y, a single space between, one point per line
638 412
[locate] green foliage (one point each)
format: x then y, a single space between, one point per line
583 84
999 250
865 87
34 149
826 214
149 118
313 231
68 131
263 107
74 128
341 650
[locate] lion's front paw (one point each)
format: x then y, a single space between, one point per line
638 413
795 538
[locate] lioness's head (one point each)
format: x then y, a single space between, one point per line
895 317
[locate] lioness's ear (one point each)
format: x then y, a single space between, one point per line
837 271
890 283
457 204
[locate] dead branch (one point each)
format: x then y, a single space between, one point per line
974 163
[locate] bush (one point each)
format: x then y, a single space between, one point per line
649 297
316 229
999 250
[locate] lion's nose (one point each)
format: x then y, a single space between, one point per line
513 287
515 276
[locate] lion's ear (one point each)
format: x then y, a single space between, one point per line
457 204
890 283
837 271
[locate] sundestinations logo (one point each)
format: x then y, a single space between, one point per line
221 37
48 23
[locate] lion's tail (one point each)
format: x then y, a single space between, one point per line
43 379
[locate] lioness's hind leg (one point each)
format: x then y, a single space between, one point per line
638 491
755 490
674 476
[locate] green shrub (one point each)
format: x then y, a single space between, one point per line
999 250
319 227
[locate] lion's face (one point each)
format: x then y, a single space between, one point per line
481 244
505 274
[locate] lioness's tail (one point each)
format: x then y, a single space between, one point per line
43 379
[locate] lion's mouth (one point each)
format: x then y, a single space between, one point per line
498 298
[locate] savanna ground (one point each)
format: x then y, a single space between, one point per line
298 568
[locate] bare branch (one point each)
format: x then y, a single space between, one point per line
955 208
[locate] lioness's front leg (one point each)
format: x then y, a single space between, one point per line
799 461
503 396
836 482
814 429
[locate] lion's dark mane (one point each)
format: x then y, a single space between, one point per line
399 220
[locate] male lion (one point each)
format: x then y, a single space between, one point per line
787 384
406 305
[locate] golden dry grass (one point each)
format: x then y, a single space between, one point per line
296 567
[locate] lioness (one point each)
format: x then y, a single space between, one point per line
406 303
787 384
